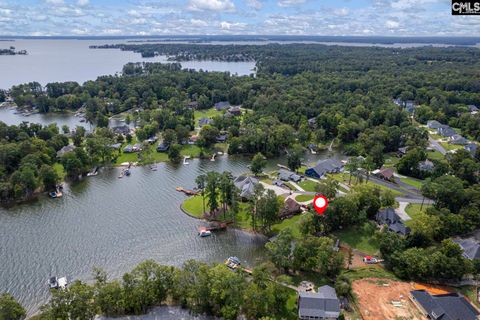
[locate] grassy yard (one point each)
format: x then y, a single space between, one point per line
58 167
153 156
308 185
293 224
391 160
413 210
369 272
435 155
304 197
359 239
450 147
344 178
413 182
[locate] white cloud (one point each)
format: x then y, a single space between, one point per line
54 2
224 25
290 3
390 24
198 23
341 12
211 5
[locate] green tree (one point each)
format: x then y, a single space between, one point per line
280 250
328 188
49 177
211 190
258 163
201 182
174 154
10 309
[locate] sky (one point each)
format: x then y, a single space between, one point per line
213 17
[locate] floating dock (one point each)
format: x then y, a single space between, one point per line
186 191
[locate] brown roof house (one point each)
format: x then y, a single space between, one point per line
384 173
290 209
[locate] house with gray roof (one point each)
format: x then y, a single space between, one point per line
121 130
323 167
458 140
473 109
286 175
246 185
472 148
222 105
451 306
470 247
204 121
433 124
426 166
392 220
312 123
322 305
446 131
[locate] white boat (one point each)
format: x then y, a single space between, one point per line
205 233
185 160
57 283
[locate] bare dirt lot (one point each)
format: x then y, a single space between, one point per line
382 299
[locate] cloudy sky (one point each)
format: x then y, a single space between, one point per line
264 17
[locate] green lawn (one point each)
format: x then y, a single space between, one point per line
413 182
344 177
391 160
359 239
153 156
435 155
413 210
293 224
450 147
308 185
194 206
58 167
304 197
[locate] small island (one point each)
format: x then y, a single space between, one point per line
12 51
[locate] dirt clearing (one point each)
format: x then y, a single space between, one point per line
382 299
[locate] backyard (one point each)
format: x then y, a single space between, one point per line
360 238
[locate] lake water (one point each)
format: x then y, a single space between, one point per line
72 60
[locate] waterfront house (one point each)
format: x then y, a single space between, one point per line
470 247
222 105
426 166
321 305
286 175
323 167
446 131
473 109
290 208
246 185
389 218
472 148
137 147
433 124
162 147
450 306
65 150
458 140
128 149
204 121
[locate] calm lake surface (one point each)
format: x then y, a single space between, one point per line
72 60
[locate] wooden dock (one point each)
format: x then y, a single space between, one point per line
186 191
215 226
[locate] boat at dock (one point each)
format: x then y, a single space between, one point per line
94 172
185 162
204 233
57 193
233 263
57 283
127 172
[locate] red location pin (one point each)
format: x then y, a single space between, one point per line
320 203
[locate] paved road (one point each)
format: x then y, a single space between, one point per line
437 146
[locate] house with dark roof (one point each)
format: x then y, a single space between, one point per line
323 167
322 305
222 105
470 247
458 140
246 185
401 151
137 147
388 217
426 166
473 109
163 147
116 146
152 139
121 130
128 149
451 306
204 121
472 148
278 183
433 124
65 150
286 175
446 131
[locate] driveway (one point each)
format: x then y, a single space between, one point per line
436 145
